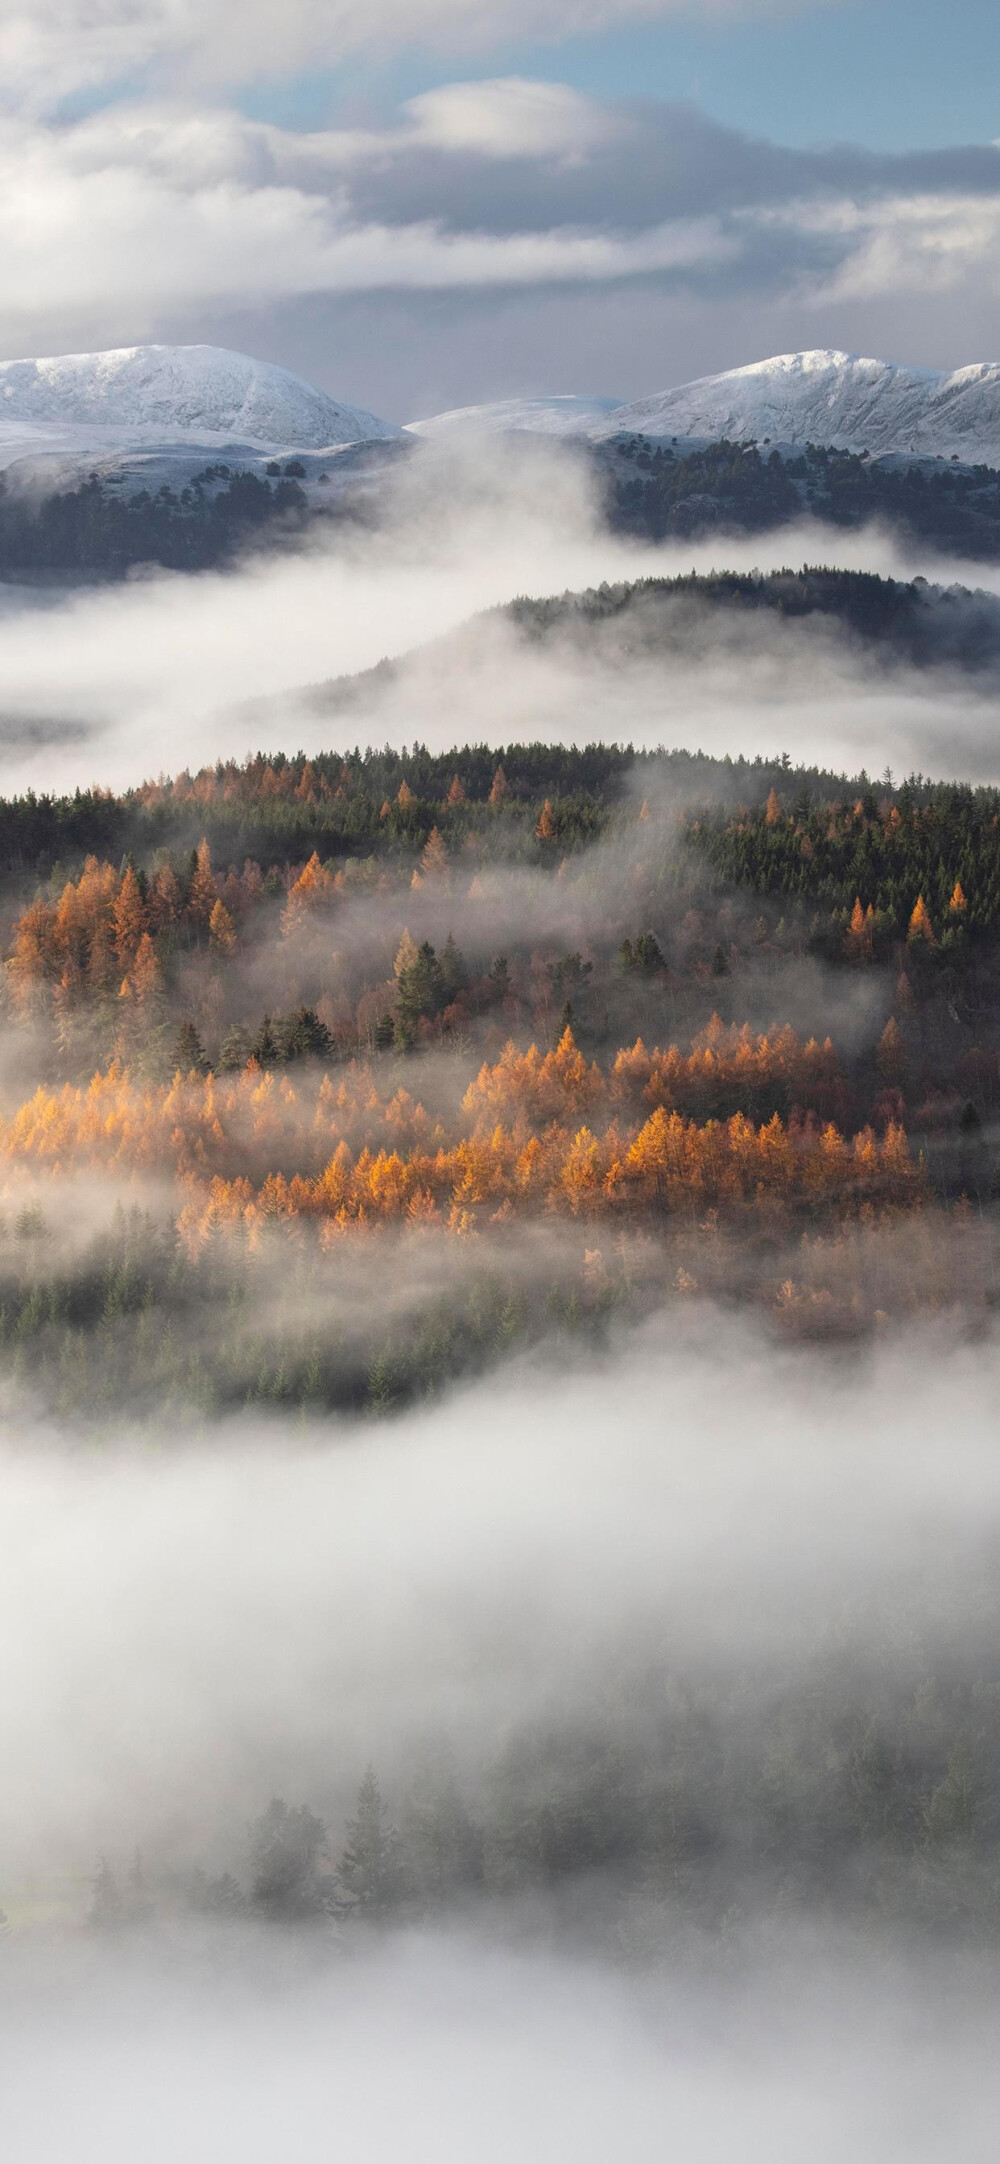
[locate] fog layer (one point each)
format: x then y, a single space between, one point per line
166 671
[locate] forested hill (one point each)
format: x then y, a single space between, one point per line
663 493
932 626
903 621
101 527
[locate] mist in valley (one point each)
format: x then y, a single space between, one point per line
121 681
544 1587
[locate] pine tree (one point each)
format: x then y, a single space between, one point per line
452 971
265 1049
235 1049
369 1873
286 1850
190 1051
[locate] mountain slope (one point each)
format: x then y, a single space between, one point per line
170 394
830 398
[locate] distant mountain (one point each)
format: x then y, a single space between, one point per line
200 395
825 397
830 398
540 416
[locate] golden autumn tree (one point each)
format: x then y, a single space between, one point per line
202 892
221 930
958 902
147 977
499 788
891 1054
545 830
165 899
434 861
309 891
920 926
33 953
858 942
456 793
405 797
130 919
772 809
407 954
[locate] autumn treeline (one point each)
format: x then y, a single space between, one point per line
535 1132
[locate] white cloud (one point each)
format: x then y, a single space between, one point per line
138 215
914 244
511 118
54 47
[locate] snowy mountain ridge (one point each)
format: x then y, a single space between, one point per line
825 397
172 394
831 398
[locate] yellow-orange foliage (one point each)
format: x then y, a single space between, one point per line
920 926
539 1133
307 893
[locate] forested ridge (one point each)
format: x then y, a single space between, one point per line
102 526
704 1029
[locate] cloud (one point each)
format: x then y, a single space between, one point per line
510 118
140 216
53 48
902 244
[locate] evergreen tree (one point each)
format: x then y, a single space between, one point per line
369 1874
287 1848
190 1051
453 974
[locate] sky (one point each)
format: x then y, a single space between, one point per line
422 203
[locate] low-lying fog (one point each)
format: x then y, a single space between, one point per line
189 1627
445 2051
166 671
192 1625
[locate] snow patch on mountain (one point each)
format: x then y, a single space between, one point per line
560 416
202 395
830 398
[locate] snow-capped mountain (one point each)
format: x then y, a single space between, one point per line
540 416
199 395
823 397
830 398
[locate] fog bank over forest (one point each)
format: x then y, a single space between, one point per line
263 1609
167 671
